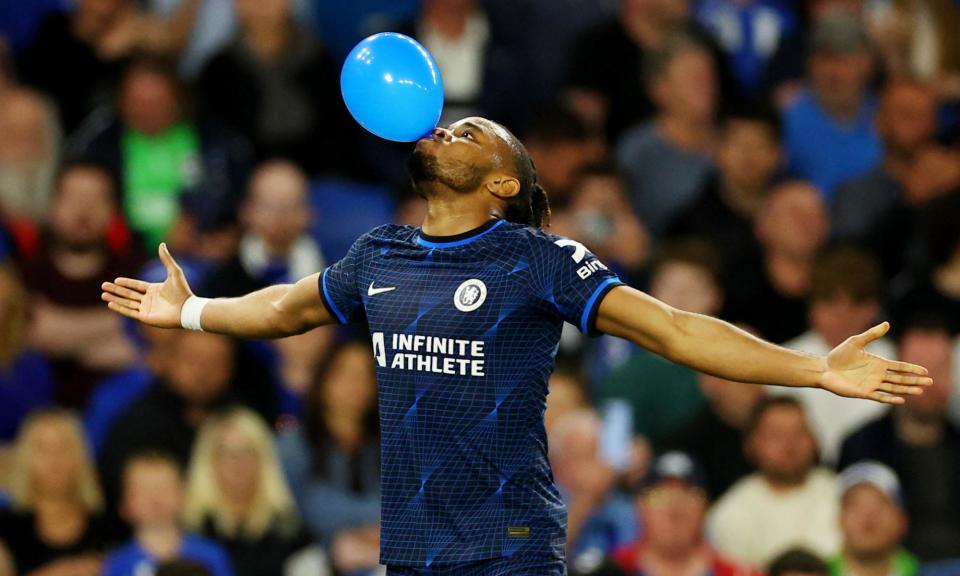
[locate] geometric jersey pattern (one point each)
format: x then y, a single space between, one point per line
462 388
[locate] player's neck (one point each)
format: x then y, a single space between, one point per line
452 215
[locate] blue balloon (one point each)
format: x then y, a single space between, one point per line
392 87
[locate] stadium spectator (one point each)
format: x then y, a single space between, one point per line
844 301
604 79
873 523
933 287
198 377
55 525
667 159
237 495
665 396
749 33
749 156
275 246
747 523
279 86
715 435
672 505
63 274
599 216
332 459
829 131
798 562
153 499
26 379
76 57
29 156
165 158
561 146
771 290
920 444
883 209
598 515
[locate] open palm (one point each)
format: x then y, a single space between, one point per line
855 373
156 304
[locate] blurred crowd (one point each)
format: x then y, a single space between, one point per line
790 166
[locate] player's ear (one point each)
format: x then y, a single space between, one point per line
503 187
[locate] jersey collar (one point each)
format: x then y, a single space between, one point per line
461 239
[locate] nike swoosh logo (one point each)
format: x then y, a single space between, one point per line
371 291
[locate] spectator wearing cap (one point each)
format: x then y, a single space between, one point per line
672 505
844 301
829 133
788 502
921 445
873 523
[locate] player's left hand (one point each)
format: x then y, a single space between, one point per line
853 372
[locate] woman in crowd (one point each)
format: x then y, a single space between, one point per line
237 495
55 526
332 461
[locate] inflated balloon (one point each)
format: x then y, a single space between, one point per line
392 87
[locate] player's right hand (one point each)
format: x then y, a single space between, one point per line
156 304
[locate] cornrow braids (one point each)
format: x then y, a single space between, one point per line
530 206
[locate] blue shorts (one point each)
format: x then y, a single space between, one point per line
519 564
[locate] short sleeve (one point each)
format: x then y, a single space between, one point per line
571 279
339 284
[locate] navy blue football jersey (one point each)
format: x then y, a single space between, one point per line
465 331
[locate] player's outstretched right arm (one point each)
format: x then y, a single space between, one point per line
274 312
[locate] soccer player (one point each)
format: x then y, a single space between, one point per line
465 314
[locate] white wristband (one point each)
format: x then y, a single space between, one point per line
191 311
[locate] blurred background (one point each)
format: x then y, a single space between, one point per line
790 166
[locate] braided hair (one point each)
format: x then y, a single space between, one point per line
530 206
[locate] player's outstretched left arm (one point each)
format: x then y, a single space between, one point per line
713 346
274 312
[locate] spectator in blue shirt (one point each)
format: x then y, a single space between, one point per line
153 503
829 130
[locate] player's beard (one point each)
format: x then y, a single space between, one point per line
425 171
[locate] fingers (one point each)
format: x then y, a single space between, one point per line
874 333
118 290
890 388
133 284
895 366
168 262
124 311
885 398
910 379
119 301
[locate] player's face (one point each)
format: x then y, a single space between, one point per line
460 156
872 524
